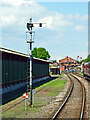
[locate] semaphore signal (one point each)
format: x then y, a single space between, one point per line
34 24
30 25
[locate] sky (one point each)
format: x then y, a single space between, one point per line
65 34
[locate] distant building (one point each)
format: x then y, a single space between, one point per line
68 63
65 64
55 70
54 67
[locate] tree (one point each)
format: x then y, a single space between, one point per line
34 52
40 53
87 59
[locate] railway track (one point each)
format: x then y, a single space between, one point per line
79 75
86 83
63 104
82 77
73 105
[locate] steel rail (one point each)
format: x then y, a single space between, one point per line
83 102
78 75
86 78
65 101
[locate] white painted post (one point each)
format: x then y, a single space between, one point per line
25 104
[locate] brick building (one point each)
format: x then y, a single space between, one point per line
68 63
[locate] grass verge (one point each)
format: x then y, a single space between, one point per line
81 74
53 87
42 98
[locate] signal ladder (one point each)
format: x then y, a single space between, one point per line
28 76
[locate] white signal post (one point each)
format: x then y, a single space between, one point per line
30 25
25 95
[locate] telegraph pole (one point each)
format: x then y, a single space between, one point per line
30 25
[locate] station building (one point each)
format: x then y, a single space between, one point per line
68 63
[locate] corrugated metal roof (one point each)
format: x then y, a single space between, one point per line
19 53
13 52
41 59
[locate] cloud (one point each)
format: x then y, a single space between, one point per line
56 21
77 17
62 0
16 2
79 28
61 22
60 27
12 2
19 12
7 20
